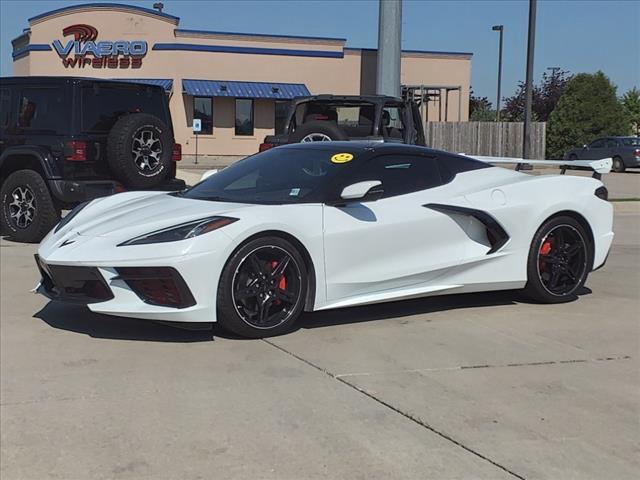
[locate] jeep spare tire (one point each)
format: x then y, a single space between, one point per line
139 150
318 131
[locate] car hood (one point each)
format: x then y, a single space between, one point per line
138 213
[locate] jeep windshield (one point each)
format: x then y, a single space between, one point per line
278 176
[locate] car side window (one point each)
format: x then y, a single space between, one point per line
400 174
39 109
392 124
5 106
612 143
597 143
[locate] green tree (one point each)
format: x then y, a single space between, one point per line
544 98
587 109
480 109
631 104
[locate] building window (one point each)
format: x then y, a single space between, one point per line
203 109
244 116
281 110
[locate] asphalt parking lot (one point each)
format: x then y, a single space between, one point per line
470 386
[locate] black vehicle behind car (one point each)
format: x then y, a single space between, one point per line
625 152
350 117
67 140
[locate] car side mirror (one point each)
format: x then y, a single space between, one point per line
367 191
585 146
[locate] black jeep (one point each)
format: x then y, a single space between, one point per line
350 117
67 140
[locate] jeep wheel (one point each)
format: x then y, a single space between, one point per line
318 131
28 212
139 150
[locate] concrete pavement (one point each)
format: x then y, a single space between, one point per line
469 386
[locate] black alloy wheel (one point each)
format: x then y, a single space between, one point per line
559 261
562 260
262 288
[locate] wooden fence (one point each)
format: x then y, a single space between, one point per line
497 139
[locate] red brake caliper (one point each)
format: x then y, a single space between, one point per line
282 284
545 248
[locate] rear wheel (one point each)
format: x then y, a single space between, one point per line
559 261
262 288
28 212
618 165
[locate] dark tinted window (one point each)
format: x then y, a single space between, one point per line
203 109
42 109
276 176
611 143
597 143
631 141
399 174
102 105
281 111
244 116
5 106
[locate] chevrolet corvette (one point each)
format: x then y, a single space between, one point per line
325 225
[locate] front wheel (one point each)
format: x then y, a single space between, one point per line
28 211
559 261
262 288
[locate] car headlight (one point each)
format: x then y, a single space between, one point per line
69 216
182 231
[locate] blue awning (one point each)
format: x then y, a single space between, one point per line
165 83
224 88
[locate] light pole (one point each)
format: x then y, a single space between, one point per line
531 41
499 28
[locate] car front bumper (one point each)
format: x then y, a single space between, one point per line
90 271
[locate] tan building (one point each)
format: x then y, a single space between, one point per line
236 83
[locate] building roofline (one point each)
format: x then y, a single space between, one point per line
425 52
115 6
259 35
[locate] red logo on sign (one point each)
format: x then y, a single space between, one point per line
81 32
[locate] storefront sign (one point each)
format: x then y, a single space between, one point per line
104 54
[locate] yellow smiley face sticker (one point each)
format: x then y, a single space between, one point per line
342 158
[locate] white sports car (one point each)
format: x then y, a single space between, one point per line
323 225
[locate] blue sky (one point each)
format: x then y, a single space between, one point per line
577 35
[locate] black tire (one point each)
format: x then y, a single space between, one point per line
28 212
561 250
573 156
320 129
252 271
618 165
139 150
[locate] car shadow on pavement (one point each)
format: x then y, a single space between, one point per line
79 319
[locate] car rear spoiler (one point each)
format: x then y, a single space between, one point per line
598 167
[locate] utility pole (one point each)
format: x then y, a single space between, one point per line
526 147
389 34
554 70
499 28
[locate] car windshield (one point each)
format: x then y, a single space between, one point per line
631 142
280 175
